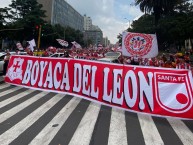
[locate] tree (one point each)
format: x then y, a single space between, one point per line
120 38
51 33
3 16
174 27
88 42
158 7
48 35
26 14
143 25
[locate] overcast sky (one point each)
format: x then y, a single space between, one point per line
112 16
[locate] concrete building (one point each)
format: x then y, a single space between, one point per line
96 36
92 32
94 27
87 23
106 41
60 12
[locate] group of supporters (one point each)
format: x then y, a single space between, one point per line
76 52
177 60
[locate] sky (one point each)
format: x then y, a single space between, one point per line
111 16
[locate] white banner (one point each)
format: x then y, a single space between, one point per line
62 42
32 44
139 45
76 45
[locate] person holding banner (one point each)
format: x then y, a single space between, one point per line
45 53
187 57
66 54
6 62
17 51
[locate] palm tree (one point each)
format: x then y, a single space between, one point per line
158 7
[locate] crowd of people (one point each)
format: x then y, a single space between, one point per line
6 61
178 60
167 60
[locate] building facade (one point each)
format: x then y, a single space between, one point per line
60 12
87 23
106 41
92 32
96 36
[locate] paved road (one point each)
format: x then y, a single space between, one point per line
40 118
1 79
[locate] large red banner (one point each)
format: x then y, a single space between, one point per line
156 91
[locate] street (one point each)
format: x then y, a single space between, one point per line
40 118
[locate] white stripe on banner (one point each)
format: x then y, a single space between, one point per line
150 137
183 132
85 129
48 133
11 134
191 77
20 107
14 98
117 132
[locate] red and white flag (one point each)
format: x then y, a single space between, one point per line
76 45
62 42
139 45
119 48
19 46
32 44
100 46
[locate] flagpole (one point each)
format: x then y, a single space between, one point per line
64 34
39 36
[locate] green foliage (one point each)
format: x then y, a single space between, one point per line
25 14
144 24
88 42
158 7
19 21
173 28
51 33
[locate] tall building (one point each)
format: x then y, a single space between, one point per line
87 23
96 36
94 27
91 32
60 12
106 41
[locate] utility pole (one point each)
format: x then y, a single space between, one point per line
2 44
39 36
65 33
